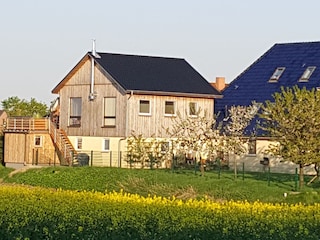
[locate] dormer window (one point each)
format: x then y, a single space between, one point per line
277 74
307 74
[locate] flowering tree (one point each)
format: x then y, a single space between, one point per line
207 137
293 120
238 120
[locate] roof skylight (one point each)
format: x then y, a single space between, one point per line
307 74
277 74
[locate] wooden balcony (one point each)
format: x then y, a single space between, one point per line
26 124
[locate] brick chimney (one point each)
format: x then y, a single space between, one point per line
220 83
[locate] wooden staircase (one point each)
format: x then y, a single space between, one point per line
64 148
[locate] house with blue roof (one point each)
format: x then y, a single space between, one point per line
283 65
107 96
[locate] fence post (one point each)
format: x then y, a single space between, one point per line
269 175
91 153
296 180
219 167
172 163
243 171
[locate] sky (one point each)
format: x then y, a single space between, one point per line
42 40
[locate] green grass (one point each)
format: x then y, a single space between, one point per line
181 184
4 171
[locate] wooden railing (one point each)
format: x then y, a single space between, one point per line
26 124
67 153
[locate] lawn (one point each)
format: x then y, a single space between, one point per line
167 183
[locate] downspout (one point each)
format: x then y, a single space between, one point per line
119 151
126 131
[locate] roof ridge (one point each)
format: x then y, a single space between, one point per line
255 62
138 55
298 43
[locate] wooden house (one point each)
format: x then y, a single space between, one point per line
107 96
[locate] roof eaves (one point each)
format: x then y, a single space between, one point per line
177 94
57 88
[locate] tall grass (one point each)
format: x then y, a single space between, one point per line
181 184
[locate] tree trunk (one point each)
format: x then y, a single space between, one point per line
301 177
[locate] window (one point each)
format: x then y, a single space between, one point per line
277 74
75 112
109 111
164 147
106 144
38 141
307 74
79 143
169 108
252 146
144 107
192 109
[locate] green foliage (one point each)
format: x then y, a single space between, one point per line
293 120
145 150
15 107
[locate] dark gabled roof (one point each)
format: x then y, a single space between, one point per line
253 83
155 74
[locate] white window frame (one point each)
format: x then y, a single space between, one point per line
112 116
40 141
252 146
174 109
165 147
277 74
104 145
145 113
79 142
196 109
307 74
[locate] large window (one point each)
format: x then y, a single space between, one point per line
109 111
144 107
75 111
193 109
169 108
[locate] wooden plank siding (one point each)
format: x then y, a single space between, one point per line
127 107
20 148
92 111
157 122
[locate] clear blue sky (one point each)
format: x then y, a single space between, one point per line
42 40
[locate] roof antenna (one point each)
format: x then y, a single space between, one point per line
94 52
